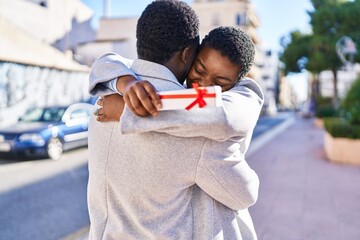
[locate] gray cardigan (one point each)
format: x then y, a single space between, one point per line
149 182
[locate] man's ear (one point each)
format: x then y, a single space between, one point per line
185 55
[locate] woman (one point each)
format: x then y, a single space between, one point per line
225 57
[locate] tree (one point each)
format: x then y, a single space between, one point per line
295 49
350 22
298 55
325 22
330 20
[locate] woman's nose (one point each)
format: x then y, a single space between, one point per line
205 82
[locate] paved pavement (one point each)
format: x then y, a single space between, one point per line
302 195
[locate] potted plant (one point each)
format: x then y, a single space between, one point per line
342 136
324 109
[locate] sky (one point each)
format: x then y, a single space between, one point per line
278 18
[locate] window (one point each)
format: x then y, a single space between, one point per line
266 77
241 19
42 3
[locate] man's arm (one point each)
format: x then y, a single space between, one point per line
223 173
111 73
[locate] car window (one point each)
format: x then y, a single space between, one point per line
32 115
53 114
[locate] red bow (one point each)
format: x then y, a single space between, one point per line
200 97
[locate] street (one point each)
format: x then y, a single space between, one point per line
43 199
46 199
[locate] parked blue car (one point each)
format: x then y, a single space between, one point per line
47 132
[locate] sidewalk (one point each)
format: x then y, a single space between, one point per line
303 196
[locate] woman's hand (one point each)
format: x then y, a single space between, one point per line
140 96
111 108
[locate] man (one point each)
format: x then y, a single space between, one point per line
141 186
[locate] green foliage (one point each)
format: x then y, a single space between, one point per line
295 50
330 20
324 108
323 101
340 128
324 56
318 4
348 126
351 104
325 111
350 22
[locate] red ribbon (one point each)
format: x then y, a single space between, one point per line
200 97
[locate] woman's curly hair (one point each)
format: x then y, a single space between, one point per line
234 44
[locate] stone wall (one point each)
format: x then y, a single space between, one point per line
24 86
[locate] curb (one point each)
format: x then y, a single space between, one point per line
81 234
264 138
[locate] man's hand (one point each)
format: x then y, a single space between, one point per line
140 96
111 108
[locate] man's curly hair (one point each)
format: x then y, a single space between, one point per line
164 28
234 44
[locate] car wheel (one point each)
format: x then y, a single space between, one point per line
55 148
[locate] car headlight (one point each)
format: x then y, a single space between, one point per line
31 137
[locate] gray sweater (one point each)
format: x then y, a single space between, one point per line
149 182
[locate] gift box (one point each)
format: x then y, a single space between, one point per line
196 97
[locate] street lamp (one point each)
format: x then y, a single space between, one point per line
346 50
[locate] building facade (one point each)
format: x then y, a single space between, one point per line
270 81
114 35
118 34
236 13
34 69
345 79
63 24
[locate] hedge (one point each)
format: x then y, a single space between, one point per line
350 105
324 111
341 128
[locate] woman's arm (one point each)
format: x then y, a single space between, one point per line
237 117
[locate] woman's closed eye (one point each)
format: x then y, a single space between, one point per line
199 70
222 81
